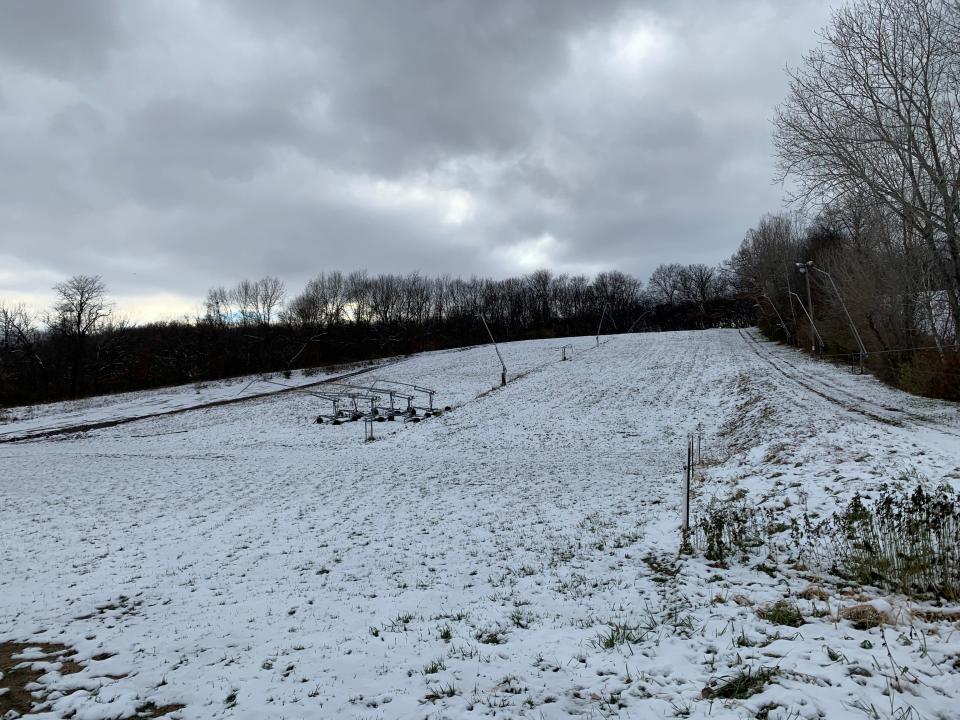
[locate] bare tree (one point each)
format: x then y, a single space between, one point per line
269 292
875 108
322 302
244 298
82 307
665 283
306 308
385 298
539 282
698 284
335 296
16 325
18 350
217 306
417 297
620 293
358 295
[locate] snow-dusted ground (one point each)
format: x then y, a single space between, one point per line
245 562
20 422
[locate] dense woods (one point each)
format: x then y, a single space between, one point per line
78 348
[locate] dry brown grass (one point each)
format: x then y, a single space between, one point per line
814 592
865 616
938 616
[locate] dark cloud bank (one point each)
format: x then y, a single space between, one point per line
173 145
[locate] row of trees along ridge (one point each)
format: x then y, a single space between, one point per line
81 347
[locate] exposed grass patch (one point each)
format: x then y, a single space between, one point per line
434 666
782 612
908 543
398 624
733 527
743 640
744 684
664 568
439 692
491 636
152 710
521 619
622 634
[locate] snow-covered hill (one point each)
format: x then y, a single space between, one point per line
514 557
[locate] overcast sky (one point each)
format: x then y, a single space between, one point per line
172 145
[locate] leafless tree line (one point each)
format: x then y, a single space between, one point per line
869 135
542 297
80 347
256 302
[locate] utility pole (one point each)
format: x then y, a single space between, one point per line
804 269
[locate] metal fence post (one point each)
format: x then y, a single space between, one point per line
688 468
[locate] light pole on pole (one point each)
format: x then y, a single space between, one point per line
853 327
804 269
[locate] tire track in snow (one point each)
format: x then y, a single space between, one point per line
848 400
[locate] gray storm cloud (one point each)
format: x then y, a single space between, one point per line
170 146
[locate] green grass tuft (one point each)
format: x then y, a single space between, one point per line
782 612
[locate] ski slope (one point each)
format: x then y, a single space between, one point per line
244 562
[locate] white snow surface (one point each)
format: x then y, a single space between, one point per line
35 420
247 563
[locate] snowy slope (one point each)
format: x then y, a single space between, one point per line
245 562
25 421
